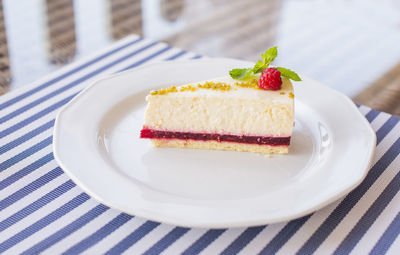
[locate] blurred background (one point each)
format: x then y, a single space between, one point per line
350 45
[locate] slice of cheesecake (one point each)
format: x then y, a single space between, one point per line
221 114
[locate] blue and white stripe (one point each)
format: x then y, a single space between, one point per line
41 210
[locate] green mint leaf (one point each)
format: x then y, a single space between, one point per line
259 67
288 74
267 58
243 74
269 55
239 73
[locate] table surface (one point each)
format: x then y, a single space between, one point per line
352 46
42 210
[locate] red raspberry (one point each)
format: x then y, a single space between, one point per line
270 79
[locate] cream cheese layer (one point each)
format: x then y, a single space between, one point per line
236 111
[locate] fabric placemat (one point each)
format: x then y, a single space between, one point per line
43 211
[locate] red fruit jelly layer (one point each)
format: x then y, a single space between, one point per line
261 140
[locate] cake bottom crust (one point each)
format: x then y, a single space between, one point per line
215 145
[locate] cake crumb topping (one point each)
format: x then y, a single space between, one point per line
164 91
253 84
187 88
220 86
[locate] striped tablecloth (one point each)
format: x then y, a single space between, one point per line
42 210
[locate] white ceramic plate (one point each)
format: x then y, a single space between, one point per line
96 142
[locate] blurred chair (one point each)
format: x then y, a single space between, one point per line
126 18
61 30
238 29
384 93
5 72
171 9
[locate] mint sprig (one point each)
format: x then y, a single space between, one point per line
269 55
242 73
267 58
259 67
288 73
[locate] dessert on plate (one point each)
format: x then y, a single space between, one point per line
252 110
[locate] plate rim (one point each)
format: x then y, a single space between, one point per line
180 222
